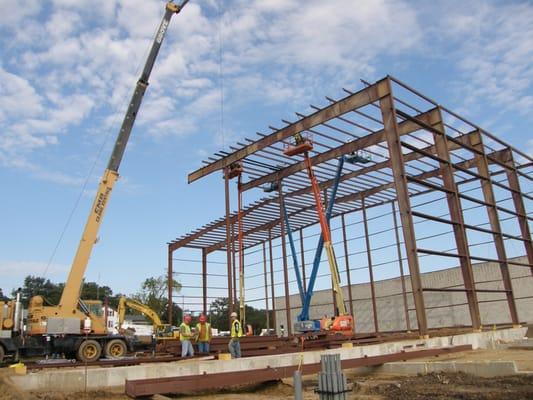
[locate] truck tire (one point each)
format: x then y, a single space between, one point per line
2 353
115 348
89 350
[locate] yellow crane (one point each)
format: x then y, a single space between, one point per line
74 326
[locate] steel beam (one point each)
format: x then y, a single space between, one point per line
388 112
349 103
266 287
228 241
400 263
285 268
456 215
518 201
482 166
272 286
170 286
370 269
206 381
204 280
347 263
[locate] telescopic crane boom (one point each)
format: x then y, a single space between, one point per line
68 304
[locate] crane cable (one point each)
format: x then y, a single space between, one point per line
124 102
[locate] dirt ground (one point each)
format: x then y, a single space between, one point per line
370 387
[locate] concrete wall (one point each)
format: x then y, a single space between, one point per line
443 309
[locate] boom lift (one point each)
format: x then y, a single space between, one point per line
343 322
74 326
161 331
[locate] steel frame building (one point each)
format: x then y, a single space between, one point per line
419 149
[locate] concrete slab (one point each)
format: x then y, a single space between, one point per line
487 369
67 380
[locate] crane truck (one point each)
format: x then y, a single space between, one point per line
76 327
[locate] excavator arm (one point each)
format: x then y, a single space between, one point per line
125 303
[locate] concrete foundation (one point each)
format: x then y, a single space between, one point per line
96 378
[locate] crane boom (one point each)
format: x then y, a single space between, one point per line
71 292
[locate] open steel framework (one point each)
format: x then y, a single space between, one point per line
418 148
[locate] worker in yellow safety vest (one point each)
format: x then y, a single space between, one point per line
185 337
203 334
234 344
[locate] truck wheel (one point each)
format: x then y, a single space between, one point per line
89 350
115 348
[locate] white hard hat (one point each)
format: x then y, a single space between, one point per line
233 314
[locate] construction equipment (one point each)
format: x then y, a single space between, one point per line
161 331
343 322
74 326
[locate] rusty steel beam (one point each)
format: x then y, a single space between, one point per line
170 286
482 166
349 103
204 280
370 268
284 255
206 381
518 201
272 286
456 215
400 262
266 286
388 112
347 262
371 139
228 241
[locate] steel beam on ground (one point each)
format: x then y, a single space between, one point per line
206 381
392 137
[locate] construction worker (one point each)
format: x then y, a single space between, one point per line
185 337
203 334
234 344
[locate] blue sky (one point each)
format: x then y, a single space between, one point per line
68 68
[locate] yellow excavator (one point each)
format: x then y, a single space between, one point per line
161 331
74 326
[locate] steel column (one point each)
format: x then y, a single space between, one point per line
228 241
390 123
170 286
518 201
400 263
482 166
302 252
266 286
370 269
456 215
284 255
272 286
204 280
347 259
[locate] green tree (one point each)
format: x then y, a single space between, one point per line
153 294
219 314
35 285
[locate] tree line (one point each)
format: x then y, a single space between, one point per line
153 293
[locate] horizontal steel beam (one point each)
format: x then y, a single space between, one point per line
359 99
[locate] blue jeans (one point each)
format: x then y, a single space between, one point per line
234 347
186 349
203 347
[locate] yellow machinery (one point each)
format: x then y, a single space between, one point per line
74 326
161 331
